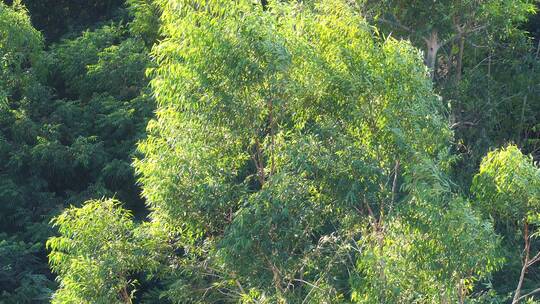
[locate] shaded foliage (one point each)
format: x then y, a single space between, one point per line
65 137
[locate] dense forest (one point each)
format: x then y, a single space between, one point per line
270 151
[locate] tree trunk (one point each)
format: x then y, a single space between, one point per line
432 44
125 295
459 66
525 264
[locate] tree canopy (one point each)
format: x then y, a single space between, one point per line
322 151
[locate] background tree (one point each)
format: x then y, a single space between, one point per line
67 17
69 120
450 23
21 274
483 64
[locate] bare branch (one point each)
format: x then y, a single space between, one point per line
529 294
462 123
517 297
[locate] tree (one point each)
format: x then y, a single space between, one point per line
20 48
146 19
289 144
23 276
70 17
442 23
95 255
69 120
507 188
483 64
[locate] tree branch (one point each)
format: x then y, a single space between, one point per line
530 293
462 123
516 298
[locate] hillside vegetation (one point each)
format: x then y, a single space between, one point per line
317 151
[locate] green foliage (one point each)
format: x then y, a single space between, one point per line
22 278
507 189
120 70
486 71
499 95
101 61
95 253
21 275
432 257
69 120
278 134
507 186
298 155
74 56
62 18
146 19
420 18
20 48
484 66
